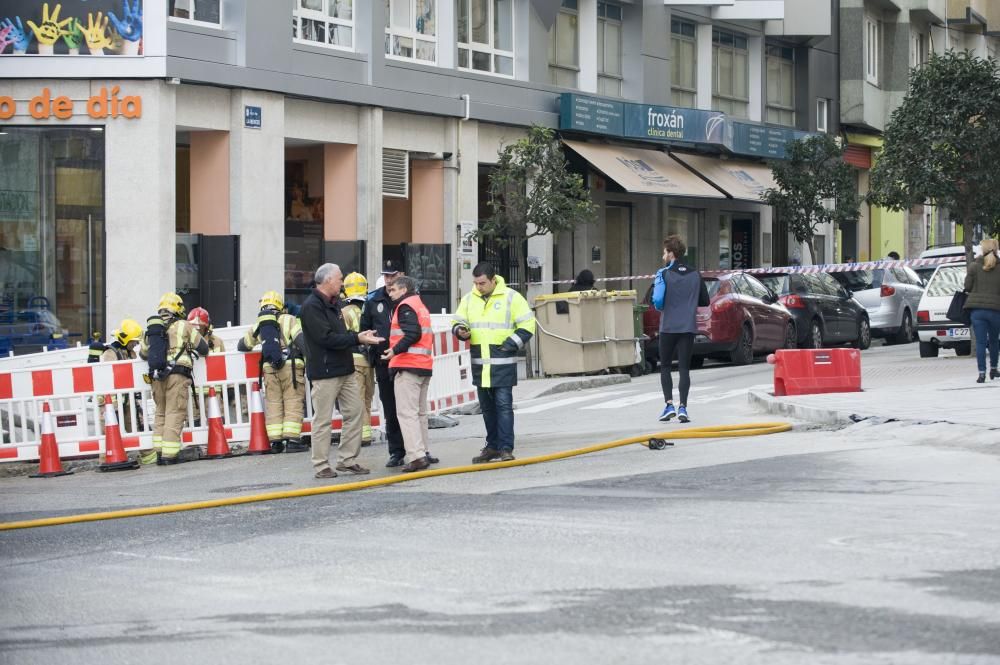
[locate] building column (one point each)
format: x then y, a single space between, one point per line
703 35
755 82
369 201
257 196
587 28
467 203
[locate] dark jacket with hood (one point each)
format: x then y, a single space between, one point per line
329 344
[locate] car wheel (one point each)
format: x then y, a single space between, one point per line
905 334
743 353
964 349
697 362
790 340
928 350
814 340
864 339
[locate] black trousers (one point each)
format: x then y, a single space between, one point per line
681 344
387 395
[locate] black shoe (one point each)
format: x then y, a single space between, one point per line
487 454
168 461
506 456
293 446
394 460
277 447
431 459
994 373
982 378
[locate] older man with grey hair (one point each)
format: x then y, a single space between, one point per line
330 367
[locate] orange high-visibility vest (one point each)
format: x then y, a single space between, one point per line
420 355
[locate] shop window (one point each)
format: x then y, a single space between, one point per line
781 85
208 12
411 30
303 231
564 46
872 46
684 64
486 36
918 49
822 115
730 73
609 49
51 237
325 22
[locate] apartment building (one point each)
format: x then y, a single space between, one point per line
224 148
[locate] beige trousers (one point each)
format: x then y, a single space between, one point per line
326 393
366 385
284 402
171 398
411 410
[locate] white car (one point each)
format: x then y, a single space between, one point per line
934 329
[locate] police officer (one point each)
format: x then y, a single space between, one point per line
377 316
355 293
171 384
498 322
284 386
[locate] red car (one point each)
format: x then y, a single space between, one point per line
743 319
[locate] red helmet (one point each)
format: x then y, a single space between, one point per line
199 317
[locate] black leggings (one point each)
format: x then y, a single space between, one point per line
681 344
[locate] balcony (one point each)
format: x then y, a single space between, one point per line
975 15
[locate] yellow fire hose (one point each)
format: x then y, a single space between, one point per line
717 431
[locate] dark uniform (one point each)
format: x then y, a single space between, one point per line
377 315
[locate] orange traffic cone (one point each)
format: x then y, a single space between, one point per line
115 457
49 464
218 447
259 443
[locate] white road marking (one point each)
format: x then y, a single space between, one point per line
636 399
157 557
569 400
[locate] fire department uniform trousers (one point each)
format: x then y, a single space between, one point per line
284 401
171 396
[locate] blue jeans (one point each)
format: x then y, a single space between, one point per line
986 324
497 405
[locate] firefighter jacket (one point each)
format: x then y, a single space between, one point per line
292 341
115 351
501 324
184 343
411 337
352 319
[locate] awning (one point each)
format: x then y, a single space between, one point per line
644 171
745 181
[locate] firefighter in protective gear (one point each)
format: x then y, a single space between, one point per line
200 319
355 292
96 348
172 390
498 322
122 347
284 386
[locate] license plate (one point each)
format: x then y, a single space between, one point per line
958 332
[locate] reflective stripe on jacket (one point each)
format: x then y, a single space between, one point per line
291 330
352 319
500 324
420 354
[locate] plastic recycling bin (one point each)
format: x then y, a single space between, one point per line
619 328
571 332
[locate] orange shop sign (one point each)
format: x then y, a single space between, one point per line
105 104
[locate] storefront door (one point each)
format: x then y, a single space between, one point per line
618 244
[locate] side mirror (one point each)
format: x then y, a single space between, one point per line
846 294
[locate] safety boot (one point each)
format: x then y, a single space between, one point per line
487 454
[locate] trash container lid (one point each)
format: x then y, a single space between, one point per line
570 295
612 295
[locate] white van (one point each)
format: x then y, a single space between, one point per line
934 329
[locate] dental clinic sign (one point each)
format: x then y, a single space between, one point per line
647 122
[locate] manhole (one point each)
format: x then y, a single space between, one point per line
249 488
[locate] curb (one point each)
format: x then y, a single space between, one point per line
585 383
770 404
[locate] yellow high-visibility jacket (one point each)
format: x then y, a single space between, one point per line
501 324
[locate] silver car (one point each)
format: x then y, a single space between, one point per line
890 296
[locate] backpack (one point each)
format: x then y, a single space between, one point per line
158 344
272 351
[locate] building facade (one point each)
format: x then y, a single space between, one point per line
211 152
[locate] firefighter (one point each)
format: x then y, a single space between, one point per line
122 347
200 319
283 368
96 348
356 291
170 346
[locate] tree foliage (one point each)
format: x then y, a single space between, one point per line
532 192
812 175
943 142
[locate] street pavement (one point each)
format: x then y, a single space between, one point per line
870 539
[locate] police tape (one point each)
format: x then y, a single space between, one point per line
784 270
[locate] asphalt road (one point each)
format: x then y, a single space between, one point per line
877 543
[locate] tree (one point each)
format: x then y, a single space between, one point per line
942 143
532 192
813 174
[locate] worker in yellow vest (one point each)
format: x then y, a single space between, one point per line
355 292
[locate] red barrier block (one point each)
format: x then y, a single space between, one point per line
815 371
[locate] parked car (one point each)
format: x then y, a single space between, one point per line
956 252
743 319
824 312
890 296
28 330
934 329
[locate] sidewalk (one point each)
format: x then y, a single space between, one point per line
921 390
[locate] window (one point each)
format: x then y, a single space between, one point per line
486 36
609 49
411 30
684 64
730 73
822 115
326 22
873 42
564 46
918 49
781 85
196 11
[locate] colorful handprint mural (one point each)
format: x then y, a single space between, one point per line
71 27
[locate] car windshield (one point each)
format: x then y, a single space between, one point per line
860 280
946 281
713 285
777 283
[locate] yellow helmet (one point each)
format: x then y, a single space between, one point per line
172 303
272 299
129 331
355 286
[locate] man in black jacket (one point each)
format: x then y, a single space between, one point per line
330 368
